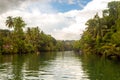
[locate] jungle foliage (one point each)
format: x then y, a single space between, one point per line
30 40
102 36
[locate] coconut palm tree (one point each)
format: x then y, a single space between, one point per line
18 23
10 22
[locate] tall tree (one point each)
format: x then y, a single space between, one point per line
10 22
18 23
102 34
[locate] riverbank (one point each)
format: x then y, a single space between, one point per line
101 37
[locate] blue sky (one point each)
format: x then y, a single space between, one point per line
63 19
66 6
59 5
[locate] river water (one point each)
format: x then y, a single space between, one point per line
57 66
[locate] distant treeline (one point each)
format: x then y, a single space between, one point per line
102 36
29 41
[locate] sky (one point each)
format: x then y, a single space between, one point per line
63 19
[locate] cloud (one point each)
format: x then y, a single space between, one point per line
68 25
6 5
71 1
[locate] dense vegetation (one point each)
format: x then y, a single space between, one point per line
102 36
31 40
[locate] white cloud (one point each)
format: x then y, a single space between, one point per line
71 1
68 25
81 17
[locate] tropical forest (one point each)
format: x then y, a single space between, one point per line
70 40
101 37
18 41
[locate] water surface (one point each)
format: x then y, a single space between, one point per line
57 66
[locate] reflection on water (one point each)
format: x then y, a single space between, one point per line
57 66
45 66
100 69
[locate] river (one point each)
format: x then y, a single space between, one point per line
57 66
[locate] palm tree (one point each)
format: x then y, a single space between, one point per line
10 22
19 23
98 25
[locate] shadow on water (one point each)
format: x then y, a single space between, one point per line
98 68
58 66
11 66
26 66
43 66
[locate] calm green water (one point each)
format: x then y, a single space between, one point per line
57 66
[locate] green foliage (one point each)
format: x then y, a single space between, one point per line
32 40
59 46
20 42
66 45
102 36
9 22
76 45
